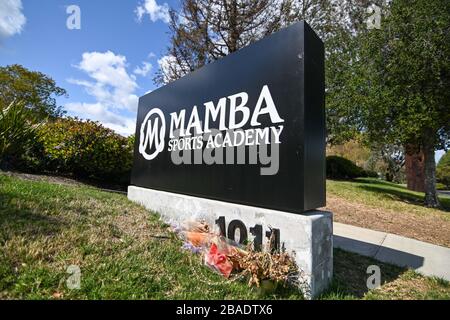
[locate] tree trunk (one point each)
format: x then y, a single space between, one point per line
415 168
431 199
233 35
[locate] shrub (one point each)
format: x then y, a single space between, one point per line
18 130
86 149
370 174
342 168
441 186
443 170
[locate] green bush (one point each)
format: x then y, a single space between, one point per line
371 174
443 170
342 168
441 186
18 129
86 149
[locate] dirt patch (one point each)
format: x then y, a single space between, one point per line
46 178
429 228
62 180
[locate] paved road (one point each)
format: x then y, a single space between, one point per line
425 258
444 192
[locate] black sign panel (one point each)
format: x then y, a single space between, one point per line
248 129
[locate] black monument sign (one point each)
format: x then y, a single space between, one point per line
248 129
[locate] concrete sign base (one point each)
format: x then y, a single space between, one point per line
308 236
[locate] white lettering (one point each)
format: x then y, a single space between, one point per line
177 122
270 108
241 108
194 123
212 112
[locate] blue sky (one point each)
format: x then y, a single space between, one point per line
104 66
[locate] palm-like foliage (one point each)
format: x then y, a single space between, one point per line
17 131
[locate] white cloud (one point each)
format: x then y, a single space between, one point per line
113 89
113 86
12 19
144 70
155 11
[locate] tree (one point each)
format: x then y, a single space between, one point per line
344 21
393 157
35 90
203 31
401 81
443 170
206 30
415 167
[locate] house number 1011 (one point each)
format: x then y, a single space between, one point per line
256 231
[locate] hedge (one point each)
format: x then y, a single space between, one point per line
342 168
86 149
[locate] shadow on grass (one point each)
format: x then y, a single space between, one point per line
398 192
350 275
18 219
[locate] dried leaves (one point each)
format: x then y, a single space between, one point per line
266 266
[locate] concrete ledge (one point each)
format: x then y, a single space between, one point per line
423 257
308 236
365 242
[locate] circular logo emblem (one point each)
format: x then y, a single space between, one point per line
153 130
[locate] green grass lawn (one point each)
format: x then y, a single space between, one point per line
387 195
125 252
